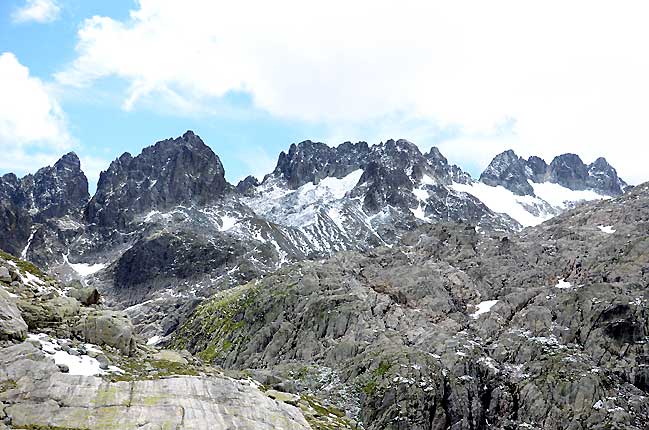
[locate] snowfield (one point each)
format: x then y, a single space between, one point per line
77 364
483 308
84 269
549 200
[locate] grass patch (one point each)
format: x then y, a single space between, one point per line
23 265
216 326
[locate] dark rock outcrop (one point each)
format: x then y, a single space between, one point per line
171 172
56 191
313 161
510 171
52 192
246 184
514 173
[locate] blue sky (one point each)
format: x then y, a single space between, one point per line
247 142
102 78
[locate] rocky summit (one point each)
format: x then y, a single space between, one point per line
354 286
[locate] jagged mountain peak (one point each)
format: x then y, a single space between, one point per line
249 182
53 192
568 170
57 190
509 170
310 161
435 155
176 171
71 160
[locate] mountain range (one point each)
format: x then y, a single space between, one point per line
354 287
166 224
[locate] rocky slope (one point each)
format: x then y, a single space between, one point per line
67 362
457 328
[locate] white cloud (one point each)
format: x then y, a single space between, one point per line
92 166
568 76
33 131
257 161
37 11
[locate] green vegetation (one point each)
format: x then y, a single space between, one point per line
383 368
7 385
370 388
138 370
38 427
214 329
23 265
322 417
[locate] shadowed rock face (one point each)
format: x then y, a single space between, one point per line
58 190
510 171
514 173
602 176
52 192
171 172
313 161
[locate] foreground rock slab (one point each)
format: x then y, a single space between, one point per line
36 395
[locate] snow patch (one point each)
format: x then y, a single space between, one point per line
77 364
562 197
337 217
606 229
500 199
84 269
227 222
528 210
419 213
563 284
153 340
23 254
483 308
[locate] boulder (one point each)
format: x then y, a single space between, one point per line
5 276
112 328
64 306
87 295
171 356
12 324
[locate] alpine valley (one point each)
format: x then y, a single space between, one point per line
354 287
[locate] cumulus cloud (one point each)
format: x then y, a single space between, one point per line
29 114
92 166
33 131
541 77
37 11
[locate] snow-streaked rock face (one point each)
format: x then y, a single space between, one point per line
171 172
547 200
531 191
53 192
